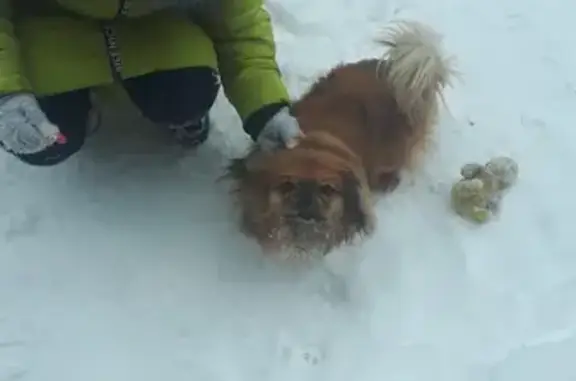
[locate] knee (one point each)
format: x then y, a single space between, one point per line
53 155
175 96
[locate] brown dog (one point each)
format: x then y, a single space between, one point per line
363 123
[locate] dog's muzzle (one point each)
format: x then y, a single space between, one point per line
307 206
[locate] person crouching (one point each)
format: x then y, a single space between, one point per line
171 57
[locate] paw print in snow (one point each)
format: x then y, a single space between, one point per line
306 356
312 356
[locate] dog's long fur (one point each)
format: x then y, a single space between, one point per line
363 122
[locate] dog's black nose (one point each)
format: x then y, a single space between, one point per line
307 203
307 207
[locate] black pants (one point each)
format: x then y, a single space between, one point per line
167 97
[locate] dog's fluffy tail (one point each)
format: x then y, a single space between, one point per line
416 70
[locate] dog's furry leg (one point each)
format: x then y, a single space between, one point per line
416 70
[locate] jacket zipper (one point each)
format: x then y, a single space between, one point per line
114 57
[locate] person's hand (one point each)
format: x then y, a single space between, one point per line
282 131
24 128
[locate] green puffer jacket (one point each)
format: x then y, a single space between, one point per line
53 46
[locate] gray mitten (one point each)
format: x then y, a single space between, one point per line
24 128
282 131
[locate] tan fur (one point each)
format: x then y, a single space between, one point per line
363 122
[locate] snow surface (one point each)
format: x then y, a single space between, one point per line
125 263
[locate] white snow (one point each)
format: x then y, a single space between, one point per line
125 263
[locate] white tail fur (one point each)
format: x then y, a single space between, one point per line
416 69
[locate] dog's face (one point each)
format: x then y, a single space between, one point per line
302 199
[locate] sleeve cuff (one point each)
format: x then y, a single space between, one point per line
255 123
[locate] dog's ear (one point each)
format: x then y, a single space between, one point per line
353 214
241 169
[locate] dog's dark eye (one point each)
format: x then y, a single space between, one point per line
286 187
328 190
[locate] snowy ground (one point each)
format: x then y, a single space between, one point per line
124 264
